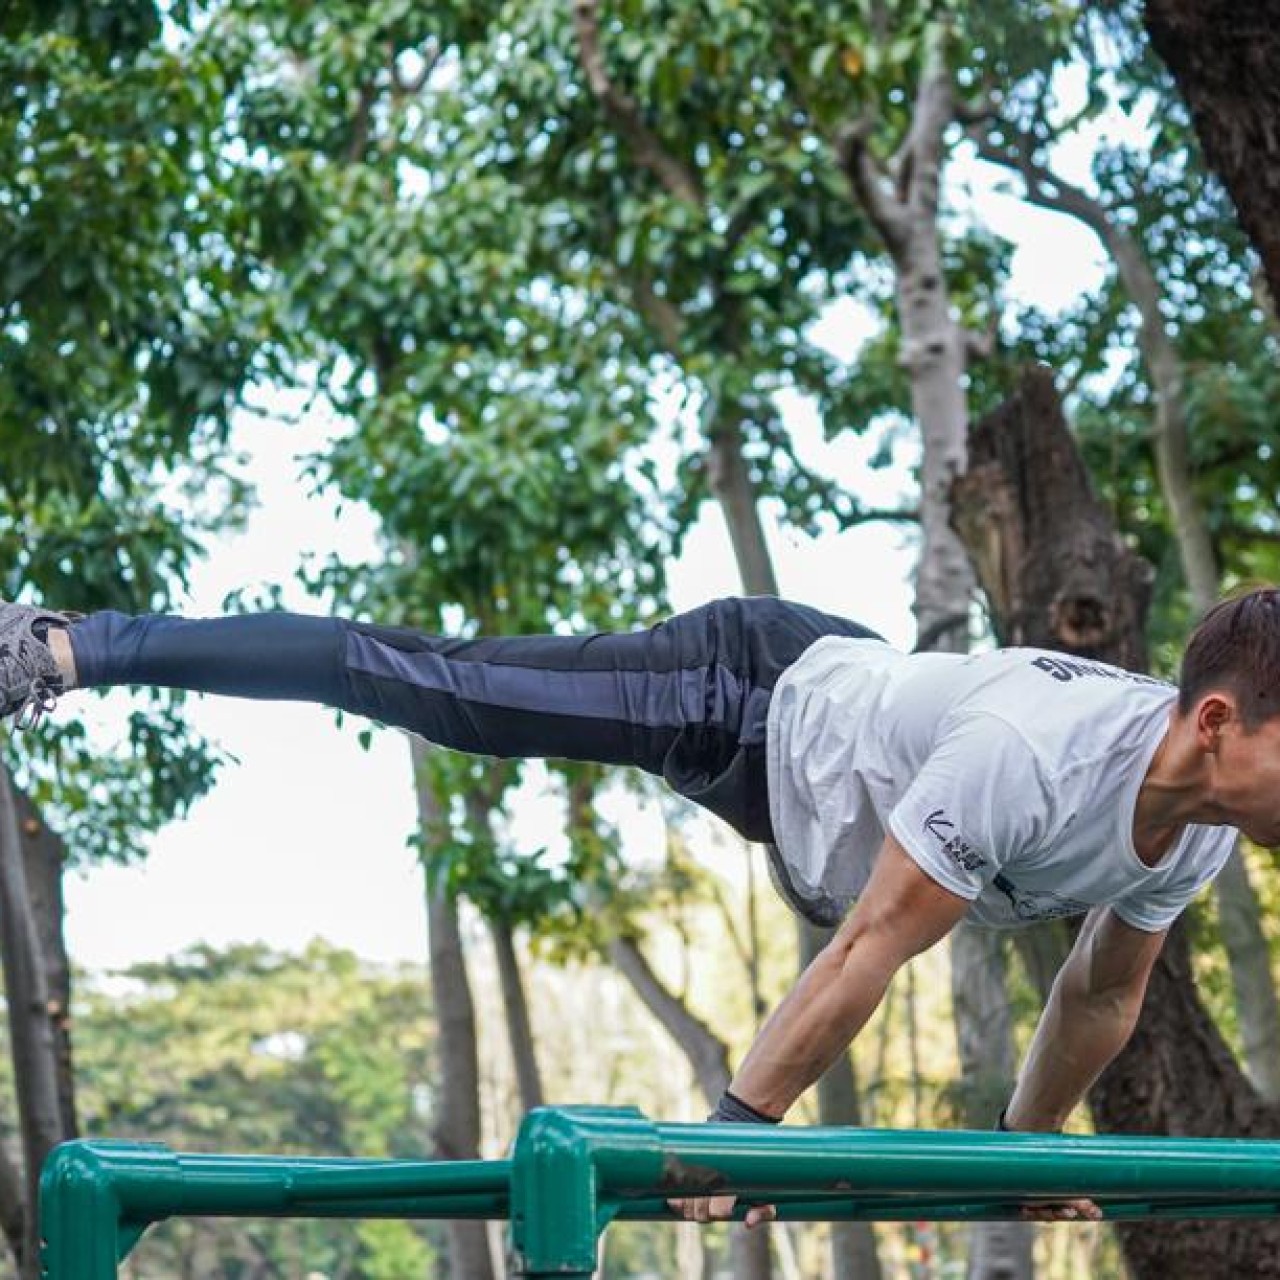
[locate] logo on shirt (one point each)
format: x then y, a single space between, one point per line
1038 904
1067 669
955 847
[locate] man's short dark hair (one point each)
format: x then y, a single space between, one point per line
1236 649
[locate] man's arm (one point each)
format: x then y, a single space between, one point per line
1091 1013
900 913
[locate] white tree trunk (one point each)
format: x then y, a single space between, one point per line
1240 918
984 1033
933 351
904 205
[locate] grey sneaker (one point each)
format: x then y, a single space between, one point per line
29 678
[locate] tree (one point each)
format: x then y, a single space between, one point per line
247 1049
1222 58
124 351
1058 576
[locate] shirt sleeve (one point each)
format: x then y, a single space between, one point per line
1155 909
977 802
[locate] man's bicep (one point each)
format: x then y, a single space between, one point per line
1116 956
903 906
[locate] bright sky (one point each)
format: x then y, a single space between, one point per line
306 835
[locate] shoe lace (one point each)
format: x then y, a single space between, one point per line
40 700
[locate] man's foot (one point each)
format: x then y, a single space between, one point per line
30 678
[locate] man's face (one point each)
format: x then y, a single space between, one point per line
1246 777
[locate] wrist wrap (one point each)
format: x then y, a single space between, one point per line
733 1110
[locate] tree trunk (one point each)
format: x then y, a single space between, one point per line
457 1110
1240 919
750 1257
935 350
853 1244
1223 56
984 1036
44 857
515 1005
1254 987
1058 576
707 1053
33 1042
730 482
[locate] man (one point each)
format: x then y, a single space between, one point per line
920 789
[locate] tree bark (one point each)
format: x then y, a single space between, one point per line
904 205
1240 920
984 1037
1253 985
854 1255
1058 576
33 1042
457 1110
1223 56
44 856
515 1005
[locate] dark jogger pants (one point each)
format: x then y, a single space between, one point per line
686 700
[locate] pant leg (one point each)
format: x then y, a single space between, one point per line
757 638
686 700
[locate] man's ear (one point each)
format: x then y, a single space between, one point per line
1213 713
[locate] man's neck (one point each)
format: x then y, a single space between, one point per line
1173 793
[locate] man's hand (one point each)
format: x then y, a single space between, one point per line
731 1109
720 1209
1063 1211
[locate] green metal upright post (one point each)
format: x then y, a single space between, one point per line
82 1233
562 1156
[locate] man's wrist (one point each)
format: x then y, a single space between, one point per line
1004 1126
733 1110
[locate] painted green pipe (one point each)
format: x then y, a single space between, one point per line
574 1170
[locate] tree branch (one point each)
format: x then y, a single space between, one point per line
1016 151
979 344
408 86
624 113
660 312
935 108
886 211
870 515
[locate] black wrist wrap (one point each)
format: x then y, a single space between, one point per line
732 1109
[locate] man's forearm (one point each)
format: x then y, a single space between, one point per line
1078 1036
825 1010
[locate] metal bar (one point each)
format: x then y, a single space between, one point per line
577 1169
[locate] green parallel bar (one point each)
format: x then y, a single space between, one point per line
904 1209
575 1170
1018 1166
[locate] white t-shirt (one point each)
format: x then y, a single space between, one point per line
1010 777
